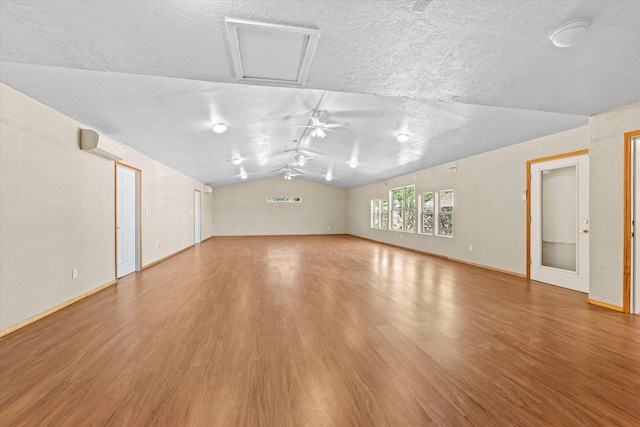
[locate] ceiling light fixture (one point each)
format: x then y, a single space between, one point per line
329 177
569 33
219 128
353 164
236 160
402 137
243 173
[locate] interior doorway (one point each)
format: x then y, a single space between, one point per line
127 220
559 221
196 217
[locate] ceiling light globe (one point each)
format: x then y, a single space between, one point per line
353 164
569 33
402 137
236 161
219 128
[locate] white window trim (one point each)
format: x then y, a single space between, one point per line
420 213
436 226
404 219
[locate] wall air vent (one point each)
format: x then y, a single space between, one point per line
271 54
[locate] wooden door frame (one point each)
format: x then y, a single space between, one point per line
115 213
199 216
628 217
528 177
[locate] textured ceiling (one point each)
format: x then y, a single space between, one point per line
462 78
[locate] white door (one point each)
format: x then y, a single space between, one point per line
126 220
196 216
560 222
635 287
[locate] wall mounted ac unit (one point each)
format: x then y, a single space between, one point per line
100 145
208 190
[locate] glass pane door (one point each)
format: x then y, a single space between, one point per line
559 218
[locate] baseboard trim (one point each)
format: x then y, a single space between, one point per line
461 261
281 235
166 258
52 310
605 305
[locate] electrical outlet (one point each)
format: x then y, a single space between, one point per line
237 228
470 248
285 229
328 227
160 246
74 273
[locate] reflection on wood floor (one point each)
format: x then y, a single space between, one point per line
322 330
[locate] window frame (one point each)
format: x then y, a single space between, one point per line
421 213
403 210
374 214
378 209
438 206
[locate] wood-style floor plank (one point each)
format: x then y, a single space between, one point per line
322 331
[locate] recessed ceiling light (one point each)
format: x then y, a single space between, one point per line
402 137
329 177
569 33
219 128
353 164
243 173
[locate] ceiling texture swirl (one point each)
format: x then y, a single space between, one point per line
460 78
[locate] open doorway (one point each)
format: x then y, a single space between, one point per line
128 246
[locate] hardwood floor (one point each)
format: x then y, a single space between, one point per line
323 330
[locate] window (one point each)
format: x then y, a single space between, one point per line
380 213
273 199
403 209
445 213
426 212
375 213
384 219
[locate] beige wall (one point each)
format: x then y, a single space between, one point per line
606 199
57 210
242 209
490 213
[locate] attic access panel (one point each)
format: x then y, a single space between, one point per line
271 54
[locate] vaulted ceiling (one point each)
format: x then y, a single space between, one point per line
461 78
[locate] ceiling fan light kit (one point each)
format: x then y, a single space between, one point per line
318 132
569 33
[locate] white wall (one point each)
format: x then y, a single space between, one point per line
242 209
489 211
606 158
57 210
